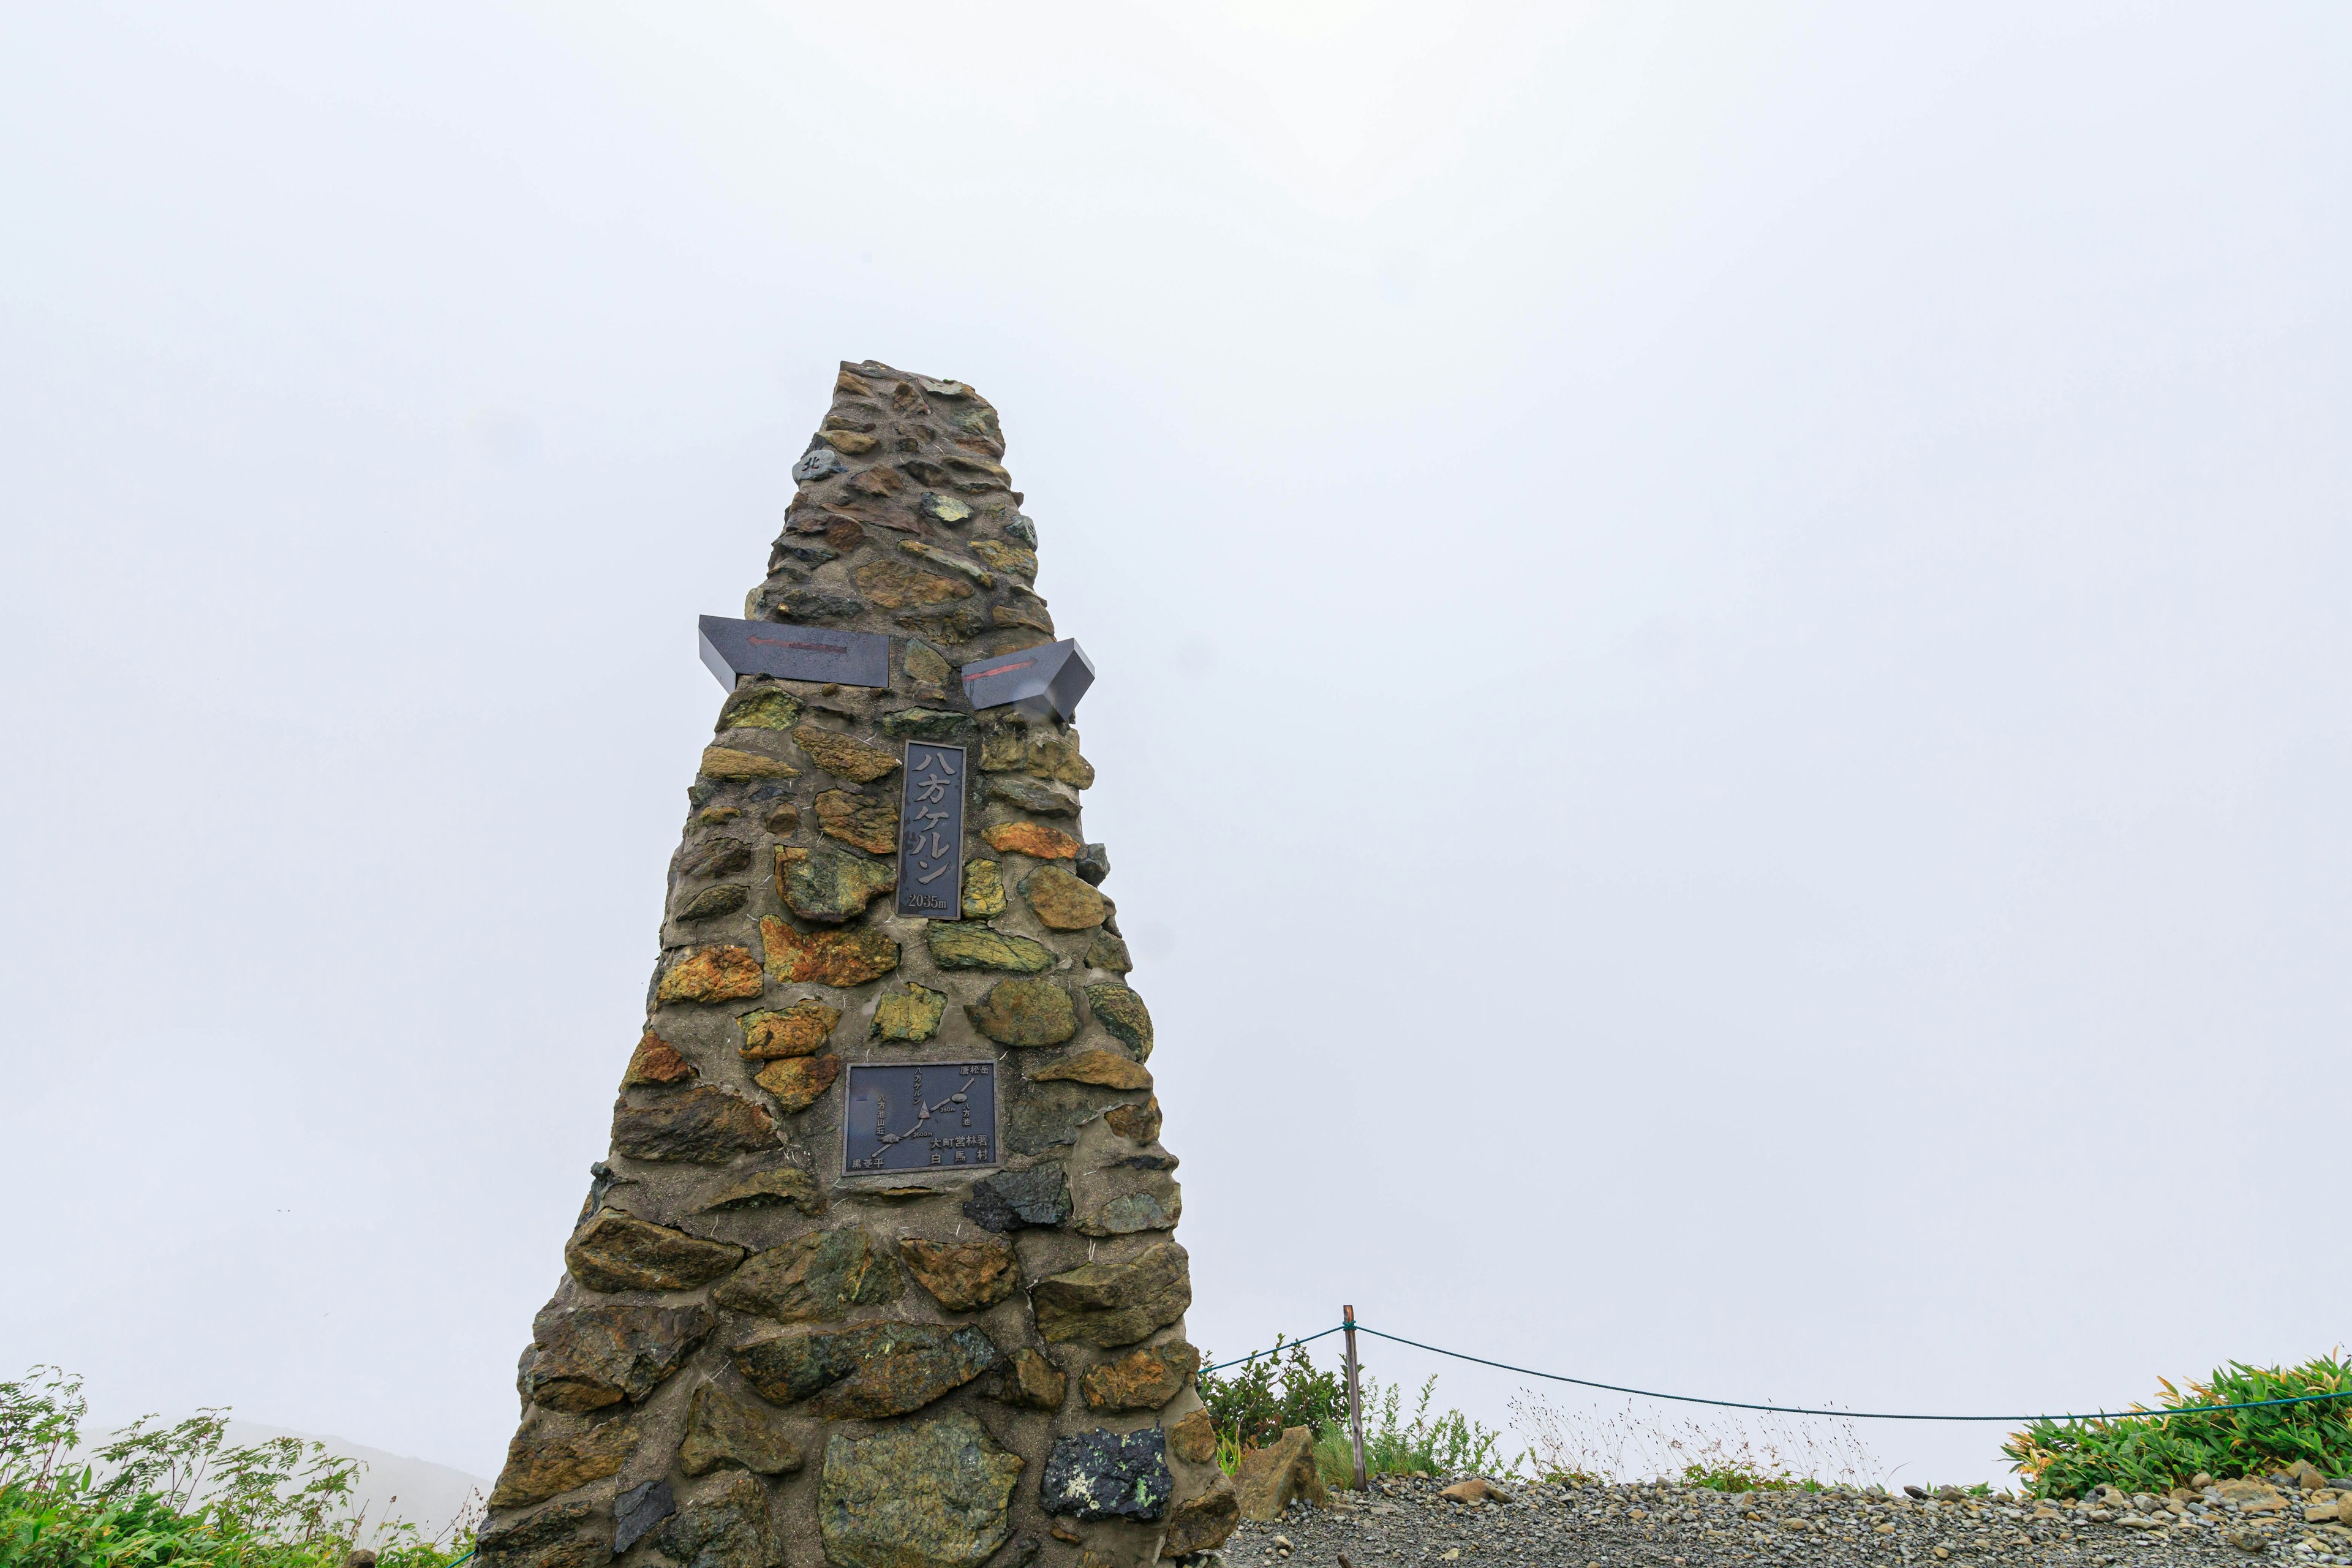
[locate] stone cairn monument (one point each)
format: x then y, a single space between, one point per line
879 1271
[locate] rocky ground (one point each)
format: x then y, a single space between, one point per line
1413 1522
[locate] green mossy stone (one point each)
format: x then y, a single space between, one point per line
936 1494
1024 1013
963 946
1122 1012
910 1014
760 708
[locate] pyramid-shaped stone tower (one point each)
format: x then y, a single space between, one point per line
879 1271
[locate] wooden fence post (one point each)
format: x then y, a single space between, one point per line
1355 1404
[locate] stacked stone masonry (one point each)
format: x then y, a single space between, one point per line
752 1359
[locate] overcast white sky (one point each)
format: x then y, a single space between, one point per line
1723 717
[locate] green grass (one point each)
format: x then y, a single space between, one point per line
179 1496
1266 1398
2158 1451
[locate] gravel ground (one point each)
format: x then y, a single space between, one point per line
1407 1522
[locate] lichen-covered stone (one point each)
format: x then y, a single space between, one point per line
927 664
979 576
542 1463
1144 1379
1201 1523
586 1358
1048 1116
849 443
862 821
705 1126
936 1494
1140 1122
1014 1200
1128 1213
731 764
1106 1069
911 1015
722 1431
962 1277
1109 1475
1032 839
1026 610
546 1538
760 708
1025 1012
839 958
1122 1012
799 1030
1110 1304
798 1082
1006 557
897 585
965 945
656 1062
615 1251
721 1524
867 1372
1031 794
1108 952
637 1511
842 757
984 890
828 886
813 1278
1062 902
945 509
1029 1380
939 724
1192 1437
722 973
1009 746
724 899
769 1189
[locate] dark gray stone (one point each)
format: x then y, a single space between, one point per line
1094 864
1023 528
724 899
1109 1475
638 1511
1039 1196
1050 1114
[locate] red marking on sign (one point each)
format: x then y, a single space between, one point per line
813 646
999 669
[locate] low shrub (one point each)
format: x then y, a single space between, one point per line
180 1496
2158 1451
1264 1398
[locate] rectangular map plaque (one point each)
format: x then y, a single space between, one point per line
920 1116
931 832
732 647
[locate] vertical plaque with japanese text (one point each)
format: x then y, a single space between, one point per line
931 832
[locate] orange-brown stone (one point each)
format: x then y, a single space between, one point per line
1193 1439
726 974
964 1276
1140 1122
849 957
800 1030
656 1061
1033 838
863 821
842 757
1103 1068
1140 1380
1063 903
730 765
797 1081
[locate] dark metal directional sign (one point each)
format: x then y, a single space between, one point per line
920 1116
1048 679
931 832
732 647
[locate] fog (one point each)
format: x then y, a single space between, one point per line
1723 703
